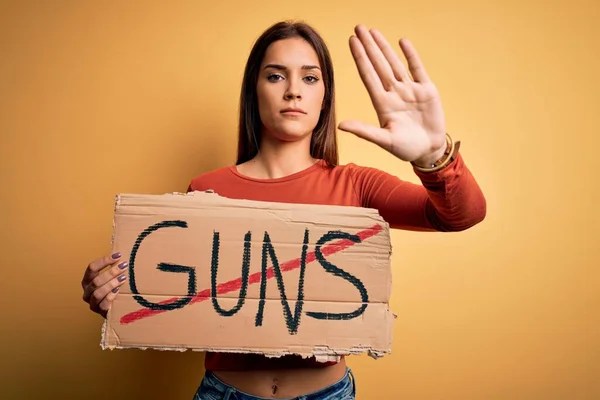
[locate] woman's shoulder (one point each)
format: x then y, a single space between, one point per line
346 170
357 170
209 178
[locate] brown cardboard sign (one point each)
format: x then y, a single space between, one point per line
216 274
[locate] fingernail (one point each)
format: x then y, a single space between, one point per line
115 290
116 255
123 265
122 278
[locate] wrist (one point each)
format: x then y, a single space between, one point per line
429 160
438 159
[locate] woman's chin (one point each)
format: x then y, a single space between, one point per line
291 135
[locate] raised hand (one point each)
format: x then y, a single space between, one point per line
409 108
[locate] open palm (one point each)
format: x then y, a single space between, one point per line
411 118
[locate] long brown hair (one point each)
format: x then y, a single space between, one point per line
323 141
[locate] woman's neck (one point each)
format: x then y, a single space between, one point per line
279 159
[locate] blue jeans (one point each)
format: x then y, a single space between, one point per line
212 388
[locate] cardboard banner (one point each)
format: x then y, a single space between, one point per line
216 274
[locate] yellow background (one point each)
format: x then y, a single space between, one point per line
98 98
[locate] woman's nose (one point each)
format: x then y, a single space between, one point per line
292 93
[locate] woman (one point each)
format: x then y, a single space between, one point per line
287 152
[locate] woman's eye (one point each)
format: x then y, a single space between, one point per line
276 77
273 77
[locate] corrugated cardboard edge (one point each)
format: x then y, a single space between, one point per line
322 353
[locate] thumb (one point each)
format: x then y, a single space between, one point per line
368 132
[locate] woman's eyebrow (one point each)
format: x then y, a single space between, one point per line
283 67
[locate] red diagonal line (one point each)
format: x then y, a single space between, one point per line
236 284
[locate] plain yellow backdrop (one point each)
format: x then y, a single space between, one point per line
98 98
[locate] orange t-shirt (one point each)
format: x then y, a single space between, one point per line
447 200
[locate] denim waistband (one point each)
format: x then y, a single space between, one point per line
212 388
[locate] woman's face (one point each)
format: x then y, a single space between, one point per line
290 90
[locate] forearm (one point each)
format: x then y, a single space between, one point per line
455 201
446 200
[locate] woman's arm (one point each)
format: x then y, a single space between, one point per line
448 200
412 127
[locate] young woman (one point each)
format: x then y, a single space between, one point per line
287 152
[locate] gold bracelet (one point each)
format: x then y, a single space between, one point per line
448 156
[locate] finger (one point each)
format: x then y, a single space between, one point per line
414 61
398 68
102 279
376 57
94 268
368 132
106 304
102 298
365 69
